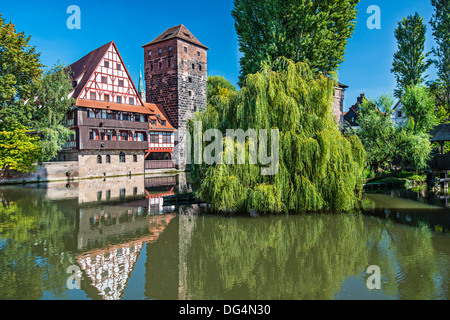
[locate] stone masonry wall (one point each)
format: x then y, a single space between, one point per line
88 166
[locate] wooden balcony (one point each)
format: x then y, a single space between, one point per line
159 164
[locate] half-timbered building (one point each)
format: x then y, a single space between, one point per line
110 121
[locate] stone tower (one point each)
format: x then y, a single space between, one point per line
175 74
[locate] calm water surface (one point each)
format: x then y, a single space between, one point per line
127 245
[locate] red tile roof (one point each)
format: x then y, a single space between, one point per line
96 104
158 113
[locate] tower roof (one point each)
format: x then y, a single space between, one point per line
178 32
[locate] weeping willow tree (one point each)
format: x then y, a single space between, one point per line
318 168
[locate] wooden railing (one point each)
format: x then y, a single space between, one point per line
159 164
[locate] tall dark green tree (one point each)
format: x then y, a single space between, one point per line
410 61
440 23
316 31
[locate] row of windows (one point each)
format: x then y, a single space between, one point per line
113 135
166 137
106 65
109 219
122 158
162 122
120 81
169 64
107 98
116 115
170 50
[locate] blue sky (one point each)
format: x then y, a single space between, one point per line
133 23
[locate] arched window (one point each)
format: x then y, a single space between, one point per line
122 157
108 158
99 159
134 158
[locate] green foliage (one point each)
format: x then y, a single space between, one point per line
316 31
440 25
319 168
19 149
50 108
388 145
217 87
419 106
410 62
20 69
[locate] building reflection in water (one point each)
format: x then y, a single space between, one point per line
117 219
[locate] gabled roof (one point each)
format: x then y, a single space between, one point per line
84 67
178 32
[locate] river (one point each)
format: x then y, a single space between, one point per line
114 239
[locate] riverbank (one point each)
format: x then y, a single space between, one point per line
402 179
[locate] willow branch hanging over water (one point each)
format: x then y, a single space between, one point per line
318 168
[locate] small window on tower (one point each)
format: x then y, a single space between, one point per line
170 48
200 67
149 53
198 53
185 49
193 66
159 51
168 63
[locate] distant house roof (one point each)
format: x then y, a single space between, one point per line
441 133
178 32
